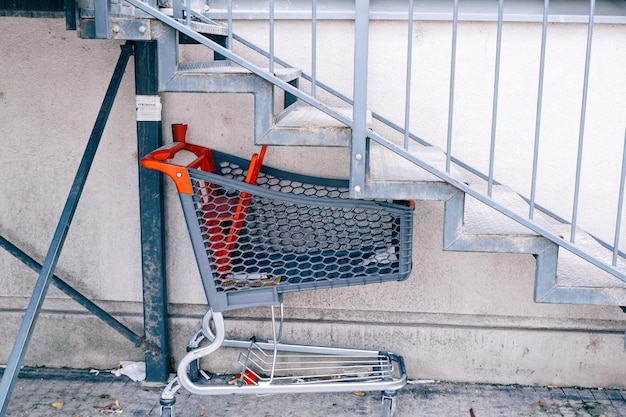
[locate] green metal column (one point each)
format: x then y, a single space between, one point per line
149 137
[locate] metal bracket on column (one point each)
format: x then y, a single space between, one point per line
54 252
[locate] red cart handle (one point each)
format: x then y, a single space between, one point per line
178 173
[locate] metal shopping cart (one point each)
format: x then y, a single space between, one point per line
258 233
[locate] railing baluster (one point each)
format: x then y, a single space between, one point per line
620 205
409 63
229 42
542 62
272 36
188 12
455 22
313 46
494 115
583 112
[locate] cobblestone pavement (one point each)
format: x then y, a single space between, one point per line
74 393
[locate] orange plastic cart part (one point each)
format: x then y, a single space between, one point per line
222 230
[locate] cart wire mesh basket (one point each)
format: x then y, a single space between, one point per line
258 232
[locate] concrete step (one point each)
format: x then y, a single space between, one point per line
220 77
389 176
580 282
485 229
205 28
303 125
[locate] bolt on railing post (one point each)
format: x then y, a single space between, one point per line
359 128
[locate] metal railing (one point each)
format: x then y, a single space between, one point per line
362 133
362 14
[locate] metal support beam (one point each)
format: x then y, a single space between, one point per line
152 218
54 252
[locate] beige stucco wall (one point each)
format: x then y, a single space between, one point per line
459 317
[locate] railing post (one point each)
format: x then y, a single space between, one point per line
359 129
102 13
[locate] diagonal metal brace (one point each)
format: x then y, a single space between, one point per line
94 309
54 252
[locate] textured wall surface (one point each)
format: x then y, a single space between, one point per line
459 317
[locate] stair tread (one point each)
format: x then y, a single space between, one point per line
303 125
303 115
205 28
573 271
388 167
480 219
226 67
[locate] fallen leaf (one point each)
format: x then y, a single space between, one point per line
359 393
115 406
472 413
58 405
541 402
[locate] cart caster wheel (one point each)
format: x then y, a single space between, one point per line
166 407
194 371
389 405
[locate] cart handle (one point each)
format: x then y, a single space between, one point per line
156 160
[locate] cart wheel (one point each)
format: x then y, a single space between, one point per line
167 412
194 371
389 405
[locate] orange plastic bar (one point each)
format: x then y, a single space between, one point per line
156 160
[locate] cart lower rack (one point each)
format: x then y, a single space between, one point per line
258 233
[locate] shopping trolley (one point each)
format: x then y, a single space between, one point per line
259 232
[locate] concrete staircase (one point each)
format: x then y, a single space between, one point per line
478 217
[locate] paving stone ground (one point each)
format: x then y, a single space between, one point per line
85 394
